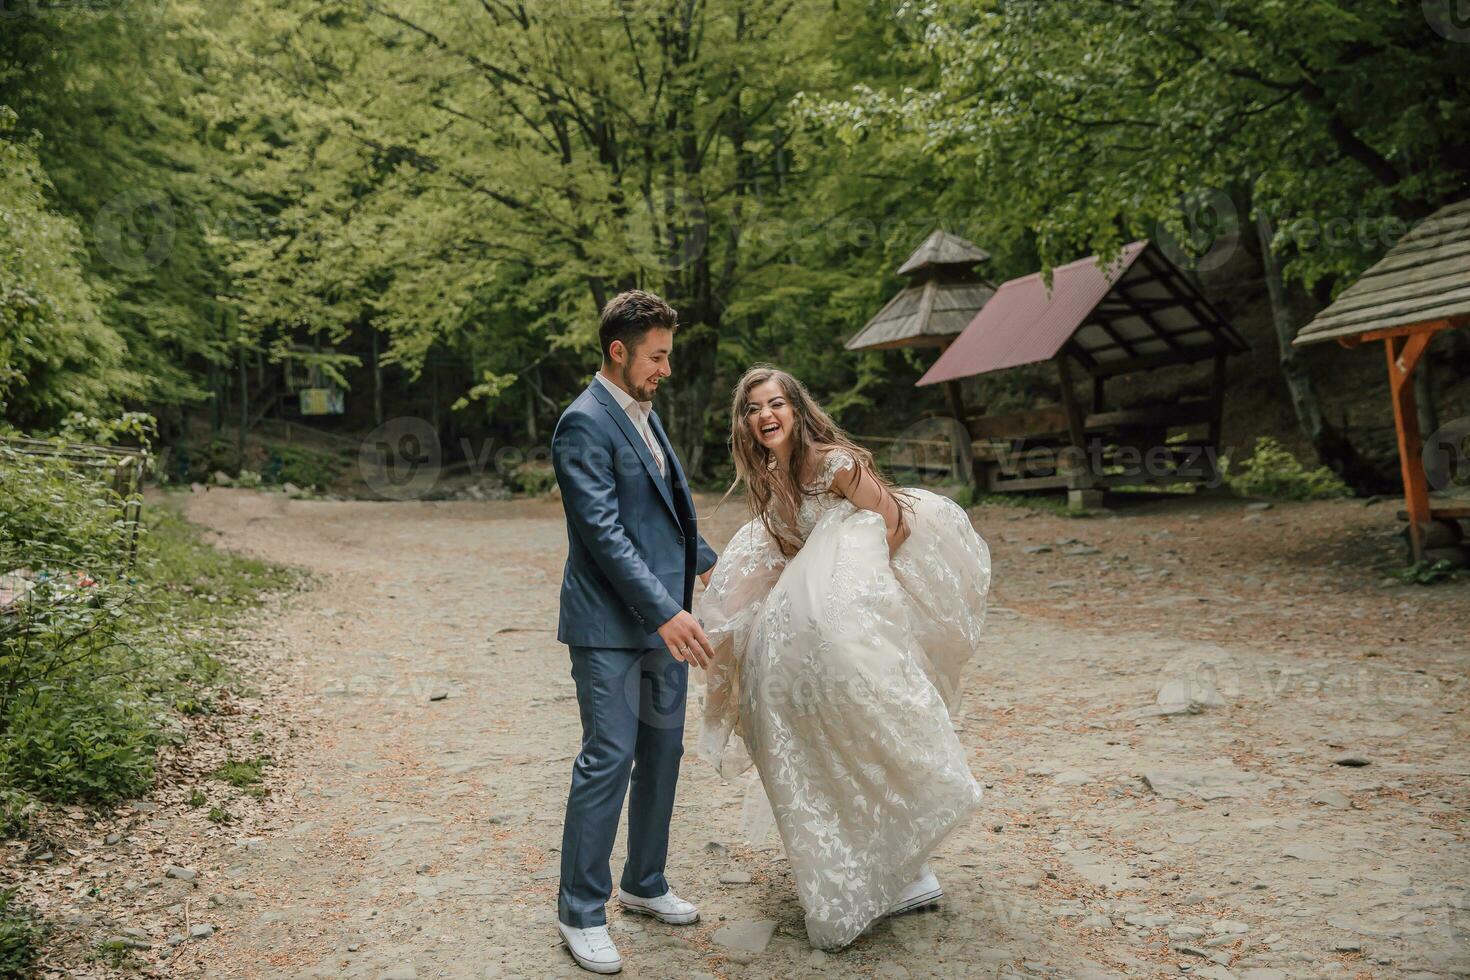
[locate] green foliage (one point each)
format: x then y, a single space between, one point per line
242 773
57 352
100 649
535 479
219 815
1271 471
19 937
1427 572
1096 122
115 953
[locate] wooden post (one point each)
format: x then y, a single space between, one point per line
964 455
1217 409
377 379
1080 492
1098 383
1403 355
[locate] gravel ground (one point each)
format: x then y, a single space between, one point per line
1218 743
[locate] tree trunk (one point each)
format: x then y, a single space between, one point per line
1331 445
683 413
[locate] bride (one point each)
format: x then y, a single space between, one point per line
841 616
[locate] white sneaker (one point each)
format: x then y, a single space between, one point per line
923 890
668 907
592 948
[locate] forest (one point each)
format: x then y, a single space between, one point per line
424 204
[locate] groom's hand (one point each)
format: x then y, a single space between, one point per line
686 640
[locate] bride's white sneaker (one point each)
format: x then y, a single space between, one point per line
668 907
923 890
592 948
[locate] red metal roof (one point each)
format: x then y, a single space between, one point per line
1023 323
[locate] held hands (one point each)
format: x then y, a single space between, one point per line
686 640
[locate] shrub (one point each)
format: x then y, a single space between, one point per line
19 936
99 651
534 478
1271 471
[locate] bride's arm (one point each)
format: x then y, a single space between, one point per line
867 493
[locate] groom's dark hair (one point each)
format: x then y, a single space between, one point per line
630 315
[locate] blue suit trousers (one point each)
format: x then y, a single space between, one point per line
632 708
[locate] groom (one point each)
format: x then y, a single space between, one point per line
633 553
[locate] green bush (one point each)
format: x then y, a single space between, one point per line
534 478
1271 471
19 936
271 465
102 650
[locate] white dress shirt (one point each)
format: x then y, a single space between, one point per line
638 413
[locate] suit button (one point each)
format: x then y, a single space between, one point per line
681 539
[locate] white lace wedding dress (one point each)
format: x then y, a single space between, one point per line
838 669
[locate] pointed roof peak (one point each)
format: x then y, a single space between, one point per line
943 249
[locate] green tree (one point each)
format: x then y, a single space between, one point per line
57 352
1335 122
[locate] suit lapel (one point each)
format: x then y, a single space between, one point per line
620 418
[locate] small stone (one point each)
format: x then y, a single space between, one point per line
423 869
746 936
1146 921
735 878
201 931
175 939
353 947
1096 921
1081 549
1181 932
112 839
1347 946
1331 798
439 694
1230 926
1352 760
1036 549
182 874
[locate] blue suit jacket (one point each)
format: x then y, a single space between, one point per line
633 545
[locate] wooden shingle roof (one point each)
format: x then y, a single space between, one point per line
944 294
1423 278
942 248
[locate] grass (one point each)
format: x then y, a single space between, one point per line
242 773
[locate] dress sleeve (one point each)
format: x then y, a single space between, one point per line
833 463
747 570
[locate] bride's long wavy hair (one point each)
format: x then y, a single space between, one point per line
755 466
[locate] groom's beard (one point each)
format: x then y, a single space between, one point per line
642 393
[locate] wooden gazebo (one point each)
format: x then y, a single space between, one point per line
1137 313
944 293
1420 287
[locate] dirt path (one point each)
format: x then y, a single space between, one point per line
418 837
